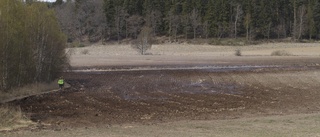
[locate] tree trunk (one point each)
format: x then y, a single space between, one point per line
170 28
294 33
194 33
236 21
269 30
126 29
5 66
5 56
301 22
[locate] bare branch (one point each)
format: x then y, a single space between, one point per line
144 41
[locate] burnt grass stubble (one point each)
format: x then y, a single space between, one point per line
155 96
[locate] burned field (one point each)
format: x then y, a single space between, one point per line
152 96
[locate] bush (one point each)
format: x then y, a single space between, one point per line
280 53
76 44
144 41
238 52
229 42
11 117
85 51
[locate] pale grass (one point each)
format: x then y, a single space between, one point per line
298 125
99 51
11 118
85 52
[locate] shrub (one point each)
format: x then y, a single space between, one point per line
144 41
11 117
238 52
76 44
280 53
85 51
229 42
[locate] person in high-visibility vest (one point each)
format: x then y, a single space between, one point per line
61 82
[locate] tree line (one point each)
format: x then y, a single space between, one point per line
96 20
32 45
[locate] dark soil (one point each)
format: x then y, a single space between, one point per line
153 96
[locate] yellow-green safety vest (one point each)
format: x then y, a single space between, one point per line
60 81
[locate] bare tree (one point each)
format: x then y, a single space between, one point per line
120 18
97 21
186 20
67 19
302 13
281 29
153 20
238 14
299 21
169 20
88 19
247 23
144 41
134 25
205 29
174 23
195 21
84 18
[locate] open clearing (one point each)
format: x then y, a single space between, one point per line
182 90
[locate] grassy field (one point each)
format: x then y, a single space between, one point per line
11 117
117 55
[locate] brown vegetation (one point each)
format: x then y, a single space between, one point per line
281 53
11 117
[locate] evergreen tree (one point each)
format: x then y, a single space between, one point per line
259 19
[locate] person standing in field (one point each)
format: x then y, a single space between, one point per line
61 82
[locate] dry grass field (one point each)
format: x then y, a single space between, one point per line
182 90
175 54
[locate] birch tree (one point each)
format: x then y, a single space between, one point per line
32 45
144 41
195 21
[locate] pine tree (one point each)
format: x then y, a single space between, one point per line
261 19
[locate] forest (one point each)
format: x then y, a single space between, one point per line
34 34
116 20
